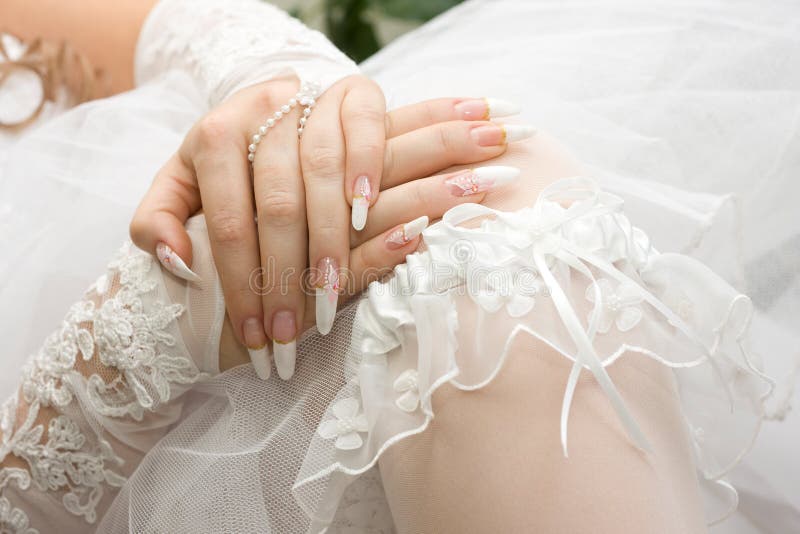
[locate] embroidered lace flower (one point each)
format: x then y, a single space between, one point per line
13 520
407 384
126 339
347 425
619 306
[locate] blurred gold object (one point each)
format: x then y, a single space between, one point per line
56 66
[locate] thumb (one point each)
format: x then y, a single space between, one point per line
158 224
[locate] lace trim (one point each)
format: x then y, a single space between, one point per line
129 336
227 46
13 520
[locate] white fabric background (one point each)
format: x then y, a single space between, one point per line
704 96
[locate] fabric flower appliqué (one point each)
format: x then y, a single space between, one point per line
407 384
347 425
619 306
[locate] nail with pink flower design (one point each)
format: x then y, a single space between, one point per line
327 291
362 195
403 234
473 181
174 264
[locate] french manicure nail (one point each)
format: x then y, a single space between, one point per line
476 109
472 181
362 195
284 342
517 132
500 134
501 108
402 235
327 294
256 342
174 264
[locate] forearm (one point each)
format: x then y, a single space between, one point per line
105 32
103 389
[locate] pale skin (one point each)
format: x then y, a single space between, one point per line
606 485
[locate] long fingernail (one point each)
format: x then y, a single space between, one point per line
362 195
256 342
284 342
500 134
402 235
476 109
327 294
174 264
473 181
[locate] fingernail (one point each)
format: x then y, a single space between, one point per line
327 294
284 342
500 134
472 181
256 342
362 194
174 264
501 108
400 236
517 132
476 109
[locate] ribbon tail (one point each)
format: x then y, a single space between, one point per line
569 393
586 355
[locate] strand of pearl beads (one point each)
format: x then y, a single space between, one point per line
306 97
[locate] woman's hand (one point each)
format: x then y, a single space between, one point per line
266 223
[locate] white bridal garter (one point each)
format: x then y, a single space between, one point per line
131 376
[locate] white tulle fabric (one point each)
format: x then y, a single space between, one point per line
227 46
581 278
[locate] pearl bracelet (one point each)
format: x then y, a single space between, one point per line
305 97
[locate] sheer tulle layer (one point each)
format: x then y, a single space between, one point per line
581 279
303 452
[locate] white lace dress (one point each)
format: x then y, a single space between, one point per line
122 421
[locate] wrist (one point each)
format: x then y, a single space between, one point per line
233 45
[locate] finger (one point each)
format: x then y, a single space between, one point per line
433 196
224 178
282 232
362 116
322 155
158 224
430 149
375 258
428 112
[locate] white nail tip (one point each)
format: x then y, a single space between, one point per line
359 213
501 108
260 359
518 132
285 355
498 174
362 194
326 310
174 264
413 228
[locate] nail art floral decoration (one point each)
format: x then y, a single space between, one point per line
472 181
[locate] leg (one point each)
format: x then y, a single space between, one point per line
492 462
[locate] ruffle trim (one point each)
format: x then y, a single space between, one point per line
574 256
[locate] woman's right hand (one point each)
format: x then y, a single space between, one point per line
211 170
